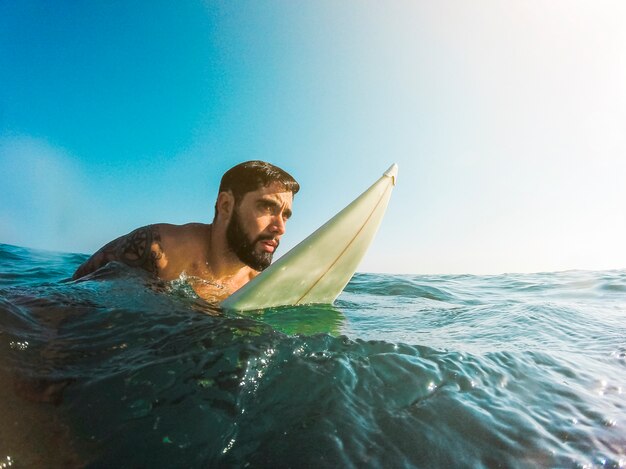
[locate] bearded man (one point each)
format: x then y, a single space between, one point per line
252 208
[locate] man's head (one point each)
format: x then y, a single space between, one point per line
255 201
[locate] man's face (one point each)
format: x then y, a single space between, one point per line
257 224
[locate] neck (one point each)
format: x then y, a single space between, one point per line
222 262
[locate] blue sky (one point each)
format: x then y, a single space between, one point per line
506 119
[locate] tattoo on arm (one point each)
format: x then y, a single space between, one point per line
140 248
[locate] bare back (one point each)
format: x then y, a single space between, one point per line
164 250
168 251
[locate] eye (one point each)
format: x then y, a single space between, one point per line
266 207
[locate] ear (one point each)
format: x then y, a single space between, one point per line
225 205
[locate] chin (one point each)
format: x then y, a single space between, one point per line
263 261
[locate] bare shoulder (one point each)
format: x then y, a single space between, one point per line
175 232
140 248
137 247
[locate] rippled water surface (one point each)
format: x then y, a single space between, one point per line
119 370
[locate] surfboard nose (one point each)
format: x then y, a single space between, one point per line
392 172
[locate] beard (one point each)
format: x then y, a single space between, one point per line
244 247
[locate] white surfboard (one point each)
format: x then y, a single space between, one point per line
317 270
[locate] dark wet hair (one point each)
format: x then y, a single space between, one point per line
252 175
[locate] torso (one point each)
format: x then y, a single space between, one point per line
184 251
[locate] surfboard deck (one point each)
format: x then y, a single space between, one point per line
317 270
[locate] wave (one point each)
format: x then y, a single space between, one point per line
409 371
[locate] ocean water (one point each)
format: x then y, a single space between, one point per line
120 370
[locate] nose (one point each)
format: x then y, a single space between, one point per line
278 225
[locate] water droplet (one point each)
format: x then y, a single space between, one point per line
229 446
609 422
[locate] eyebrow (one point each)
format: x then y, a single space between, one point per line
287 212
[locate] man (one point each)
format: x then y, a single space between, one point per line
252 208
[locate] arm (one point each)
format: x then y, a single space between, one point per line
140 248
